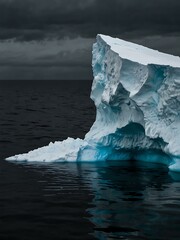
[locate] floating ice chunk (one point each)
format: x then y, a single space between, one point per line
136 91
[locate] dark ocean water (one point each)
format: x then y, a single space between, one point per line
112 200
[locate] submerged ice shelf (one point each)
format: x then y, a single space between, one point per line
136 91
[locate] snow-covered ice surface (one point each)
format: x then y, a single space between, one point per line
136 91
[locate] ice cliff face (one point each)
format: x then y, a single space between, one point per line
136 91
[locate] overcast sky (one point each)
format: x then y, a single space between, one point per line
52 39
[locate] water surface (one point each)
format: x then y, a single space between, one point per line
111 200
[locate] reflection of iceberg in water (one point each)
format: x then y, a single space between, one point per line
130 200
124 200
136 93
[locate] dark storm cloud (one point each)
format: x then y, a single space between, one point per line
41 39
32 19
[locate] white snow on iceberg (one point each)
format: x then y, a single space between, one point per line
136 91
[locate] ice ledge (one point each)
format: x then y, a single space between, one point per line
140 54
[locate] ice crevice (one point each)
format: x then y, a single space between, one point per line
136 91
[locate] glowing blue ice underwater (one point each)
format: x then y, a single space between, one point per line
136 92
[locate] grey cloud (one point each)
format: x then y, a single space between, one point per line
47 56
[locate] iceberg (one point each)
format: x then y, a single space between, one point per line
136 91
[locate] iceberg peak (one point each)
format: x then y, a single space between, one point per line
138 53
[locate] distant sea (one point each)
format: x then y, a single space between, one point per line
110 200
